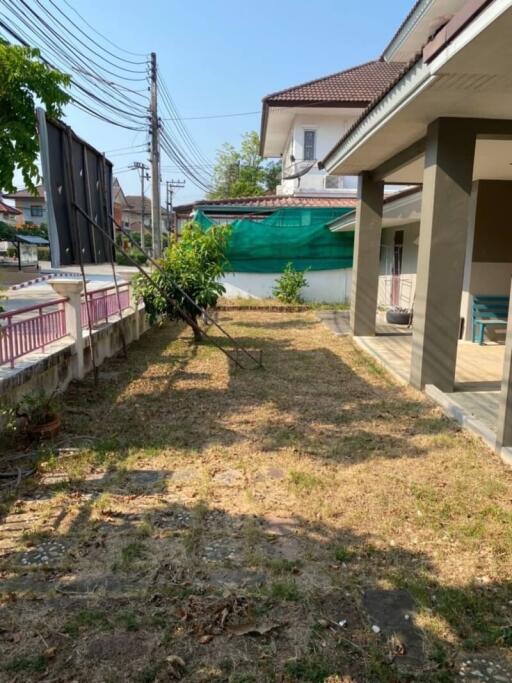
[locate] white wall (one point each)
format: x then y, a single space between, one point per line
329 286
329 129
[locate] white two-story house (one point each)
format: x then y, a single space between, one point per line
302 124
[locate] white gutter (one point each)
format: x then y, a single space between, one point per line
411 202
407 29
406 90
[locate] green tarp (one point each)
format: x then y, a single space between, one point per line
297 235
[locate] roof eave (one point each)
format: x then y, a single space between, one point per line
406 88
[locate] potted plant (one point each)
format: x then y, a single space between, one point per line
399 316
40 415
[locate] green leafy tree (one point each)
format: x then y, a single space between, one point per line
193 264
26 81
243 172
289 285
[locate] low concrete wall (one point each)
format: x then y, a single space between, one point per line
57 366
327 286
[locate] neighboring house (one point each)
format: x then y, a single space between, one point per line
131 214
444 124
269 231
119 201
33 210
302 123
8 214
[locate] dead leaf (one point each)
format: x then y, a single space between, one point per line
50 652
247 629
174 660
205 639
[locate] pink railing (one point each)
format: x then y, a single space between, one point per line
103 303
22 333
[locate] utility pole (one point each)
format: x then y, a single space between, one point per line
155 162
171 187
143 176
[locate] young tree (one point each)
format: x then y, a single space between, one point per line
26 80
243 172
193 265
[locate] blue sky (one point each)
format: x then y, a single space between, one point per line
222 56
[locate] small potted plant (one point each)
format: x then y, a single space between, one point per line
399 316
39 414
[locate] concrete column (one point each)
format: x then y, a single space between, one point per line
447 181
72 290
504 424
466 307
365 271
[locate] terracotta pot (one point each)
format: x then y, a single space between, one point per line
48 430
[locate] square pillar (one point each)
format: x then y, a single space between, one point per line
71 289
447 181
504 424
365 270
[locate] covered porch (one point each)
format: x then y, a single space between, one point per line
475 398
445 127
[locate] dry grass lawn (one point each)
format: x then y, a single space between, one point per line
200 523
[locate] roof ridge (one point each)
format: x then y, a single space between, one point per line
323 78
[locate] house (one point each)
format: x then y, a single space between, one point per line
119 200
8 214
444 124
132 214
271 230
32 207
302 123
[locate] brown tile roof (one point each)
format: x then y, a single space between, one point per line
405 68
270 202
5 208
355 86
27 194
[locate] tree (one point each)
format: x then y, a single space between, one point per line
243 172
193 265
25 81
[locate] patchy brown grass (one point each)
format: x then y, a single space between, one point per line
216 524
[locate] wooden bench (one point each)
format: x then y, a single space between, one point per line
488 310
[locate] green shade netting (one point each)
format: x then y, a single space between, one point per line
297 235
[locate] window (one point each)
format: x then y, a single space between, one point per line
36 210
333 182
309 145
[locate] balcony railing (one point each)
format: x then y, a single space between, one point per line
31 329
103 303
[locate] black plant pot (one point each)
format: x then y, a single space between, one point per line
398 317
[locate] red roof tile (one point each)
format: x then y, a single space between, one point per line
357 85
27 194
271 202
5 208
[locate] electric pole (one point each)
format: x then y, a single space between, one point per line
171 187
143 176
155 162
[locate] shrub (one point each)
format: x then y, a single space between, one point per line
288 286
135 254
192 266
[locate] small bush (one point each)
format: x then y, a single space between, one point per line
136 255
289 285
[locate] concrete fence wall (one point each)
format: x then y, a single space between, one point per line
71 358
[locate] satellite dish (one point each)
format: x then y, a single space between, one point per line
297 169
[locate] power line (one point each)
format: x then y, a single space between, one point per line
110 97
212 116
118 47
